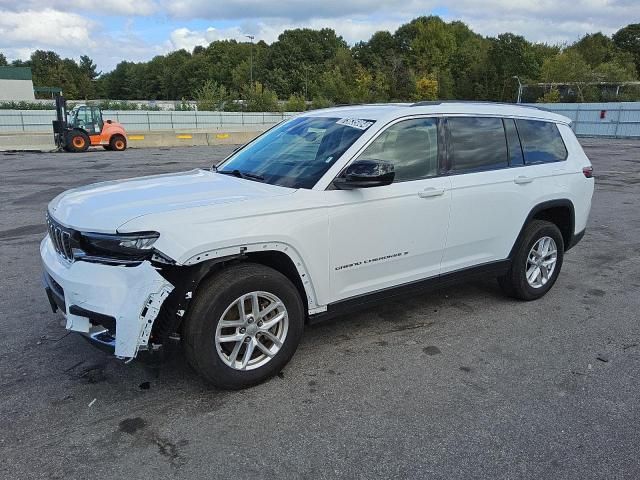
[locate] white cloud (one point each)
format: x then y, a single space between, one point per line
188 39
352 30
70 35
46 28
109 7
290 9
546 20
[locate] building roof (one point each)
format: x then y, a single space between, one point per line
391 111
15 73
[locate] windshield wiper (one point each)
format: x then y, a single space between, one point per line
239 174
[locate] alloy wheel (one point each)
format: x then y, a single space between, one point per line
252 330
541 262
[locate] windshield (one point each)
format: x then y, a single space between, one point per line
298 152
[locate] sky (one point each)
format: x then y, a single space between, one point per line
110 31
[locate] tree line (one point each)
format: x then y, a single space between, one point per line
424 59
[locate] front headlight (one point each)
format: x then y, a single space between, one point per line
128 246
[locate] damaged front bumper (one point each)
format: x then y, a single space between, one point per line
113 306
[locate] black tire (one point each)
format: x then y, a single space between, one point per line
77 141
210 302
106 147
117 143
514 283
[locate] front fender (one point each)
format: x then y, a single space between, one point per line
267 246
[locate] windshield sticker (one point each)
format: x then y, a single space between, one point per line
355 123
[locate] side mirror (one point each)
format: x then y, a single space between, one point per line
365 174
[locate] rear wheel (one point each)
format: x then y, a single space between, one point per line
244 326
77 141
537 262
117 143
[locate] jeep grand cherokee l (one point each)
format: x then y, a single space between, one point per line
327 211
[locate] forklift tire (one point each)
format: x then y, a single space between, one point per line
117 143
78 141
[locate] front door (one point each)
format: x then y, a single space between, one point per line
385 236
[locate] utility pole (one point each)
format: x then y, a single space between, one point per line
251 37
519 88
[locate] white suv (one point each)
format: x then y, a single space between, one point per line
324 212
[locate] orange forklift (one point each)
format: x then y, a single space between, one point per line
83 127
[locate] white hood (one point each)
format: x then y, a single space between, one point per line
103 207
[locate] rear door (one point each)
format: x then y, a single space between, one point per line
385 236
489 191
544 157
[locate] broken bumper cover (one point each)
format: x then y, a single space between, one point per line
113 306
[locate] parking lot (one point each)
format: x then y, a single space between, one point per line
461 383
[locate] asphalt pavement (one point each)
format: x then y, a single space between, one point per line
460 383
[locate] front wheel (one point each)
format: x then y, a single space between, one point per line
244 326
537 262
77 141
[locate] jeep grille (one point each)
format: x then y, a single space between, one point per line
61 238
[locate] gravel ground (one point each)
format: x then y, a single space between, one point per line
463 383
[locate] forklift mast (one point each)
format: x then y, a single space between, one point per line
60 123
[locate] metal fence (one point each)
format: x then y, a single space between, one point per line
39 121
620 119
615 119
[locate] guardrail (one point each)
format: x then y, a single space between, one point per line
39 121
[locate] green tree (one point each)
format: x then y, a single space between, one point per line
260 99
319 65
211 96
3 60
320 102
301 53
627 39
568 67
509 55
594 48
426 88
296 103
552 96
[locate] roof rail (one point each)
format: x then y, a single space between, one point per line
481 102
370 104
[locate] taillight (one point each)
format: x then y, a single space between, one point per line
587 172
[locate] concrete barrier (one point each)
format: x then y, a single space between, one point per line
26 142
44 142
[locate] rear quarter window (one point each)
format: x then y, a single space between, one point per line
541 142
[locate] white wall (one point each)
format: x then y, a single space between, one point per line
16 90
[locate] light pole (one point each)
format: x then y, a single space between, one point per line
251 37
519 88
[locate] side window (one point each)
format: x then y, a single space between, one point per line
516 157
477 144
412 147
541 141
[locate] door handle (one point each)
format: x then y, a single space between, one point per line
522 180
431 192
